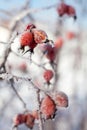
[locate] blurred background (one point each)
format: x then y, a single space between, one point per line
71 63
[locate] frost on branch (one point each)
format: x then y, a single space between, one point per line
47 104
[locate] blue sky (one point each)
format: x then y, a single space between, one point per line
10 4
46 15
7 4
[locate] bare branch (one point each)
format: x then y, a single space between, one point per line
39 111
6 12
7 52
12 85
24 13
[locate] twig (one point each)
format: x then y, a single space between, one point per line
24 13
12 85
26 5
2 110
55 70
7 52
14 128
32 61
38 65
39 111
3 42
6 12
7 76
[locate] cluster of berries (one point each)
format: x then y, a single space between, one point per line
28 119
69 10
48 108
31 37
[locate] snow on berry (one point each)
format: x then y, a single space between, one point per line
61 99
23 67
48 75
39 36
48 107
49 51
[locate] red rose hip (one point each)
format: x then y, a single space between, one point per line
26 38
39 36
48 75
48 107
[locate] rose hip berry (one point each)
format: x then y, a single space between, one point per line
26 38
51 54
48 75
48 107
71 11
35 114
58 43
39 36
29 120
70 35
63 9
61 99
23 67
19 119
